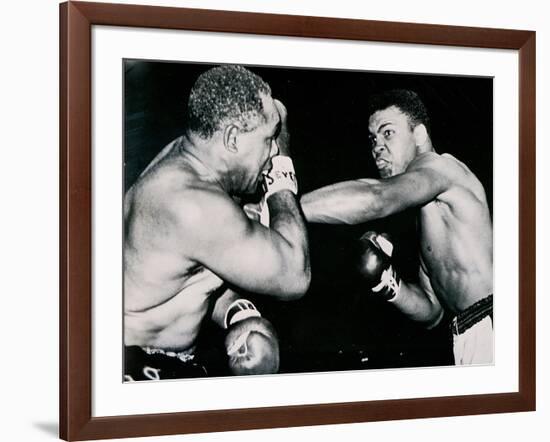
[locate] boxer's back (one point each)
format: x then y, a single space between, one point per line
165 292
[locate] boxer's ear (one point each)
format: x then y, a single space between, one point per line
230 137
420 135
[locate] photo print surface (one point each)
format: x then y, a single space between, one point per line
283 220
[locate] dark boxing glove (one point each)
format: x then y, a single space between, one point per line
251 342
375 267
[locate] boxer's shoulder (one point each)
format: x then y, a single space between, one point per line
466 182
445 165
432 160
461 187
202 211
203 200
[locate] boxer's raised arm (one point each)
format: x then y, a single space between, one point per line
272 261
348 202
362 200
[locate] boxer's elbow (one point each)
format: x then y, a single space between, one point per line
294 269
303 280
296 281
303 271
298 285
435 317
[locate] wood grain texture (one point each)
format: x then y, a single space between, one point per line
76 19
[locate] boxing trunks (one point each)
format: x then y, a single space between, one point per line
473 334
146 364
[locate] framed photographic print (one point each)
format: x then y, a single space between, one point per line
331 207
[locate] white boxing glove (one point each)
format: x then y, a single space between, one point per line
258 212
281 176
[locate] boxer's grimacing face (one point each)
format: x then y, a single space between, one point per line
392 140
258 146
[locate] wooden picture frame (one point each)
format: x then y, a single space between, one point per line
76 21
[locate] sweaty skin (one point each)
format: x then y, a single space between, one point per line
454 223
186 237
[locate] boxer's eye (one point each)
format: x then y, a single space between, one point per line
388 133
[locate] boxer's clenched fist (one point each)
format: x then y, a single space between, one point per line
252 347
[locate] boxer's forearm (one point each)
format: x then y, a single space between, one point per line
349 202
417 305
362 200
287 220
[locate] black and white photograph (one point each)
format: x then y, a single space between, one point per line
235 220
284 220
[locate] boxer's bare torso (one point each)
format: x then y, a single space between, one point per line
166 293
456 243
454 223
455 230
185 235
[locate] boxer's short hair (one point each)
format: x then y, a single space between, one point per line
407 101
226 94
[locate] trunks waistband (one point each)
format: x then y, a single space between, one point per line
472 315
184 356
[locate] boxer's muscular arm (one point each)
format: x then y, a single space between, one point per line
418 304
216 233
374 264
272 261
285 215
358 201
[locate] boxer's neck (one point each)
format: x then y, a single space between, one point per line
207 158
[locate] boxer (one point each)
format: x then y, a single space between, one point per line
454 225
187 240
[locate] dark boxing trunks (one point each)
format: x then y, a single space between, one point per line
154 364
472 315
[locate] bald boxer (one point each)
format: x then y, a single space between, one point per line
187 240
454 225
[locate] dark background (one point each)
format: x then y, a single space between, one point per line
336 326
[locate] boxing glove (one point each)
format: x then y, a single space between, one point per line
374 265
283 138
258 212
281 176
252 347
